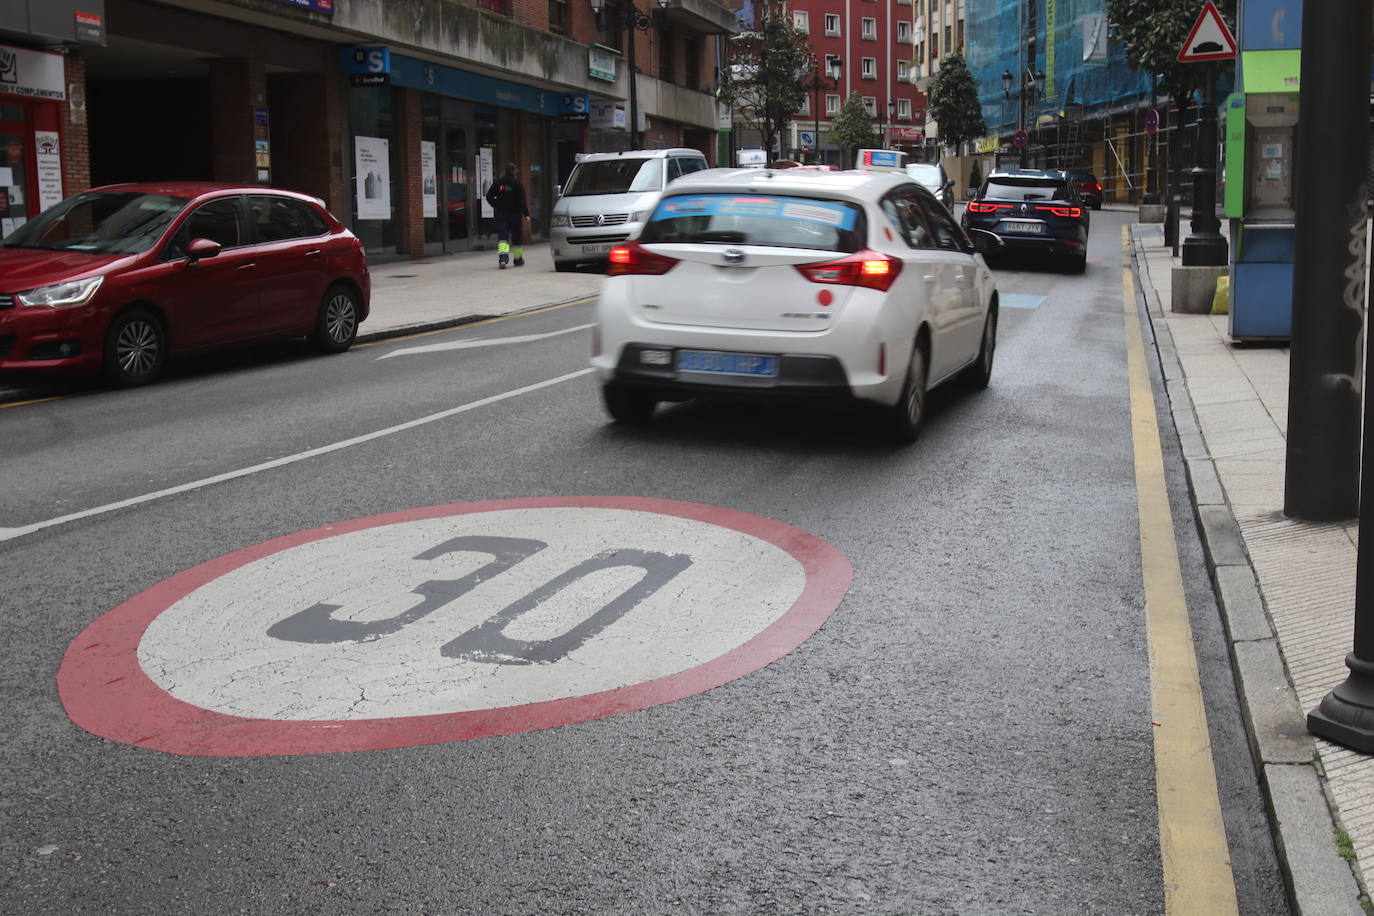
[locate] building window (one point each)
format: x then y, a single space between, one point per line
920 54
868 29
495 6
610 37
869 68
904 109
805 107
871 106
949 38
934 45
904 32
904 2
903 71
961 33
802 20
691 59
832 25
832 104
558 16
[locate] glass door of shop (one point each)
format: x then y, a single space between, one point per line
457 200
15 206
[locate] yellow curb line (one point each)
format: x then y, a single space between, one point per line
1192 835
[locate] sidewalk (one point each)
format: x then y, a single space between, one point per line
1286 588
446 290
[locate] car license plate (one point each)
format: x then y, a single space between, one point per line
1014 226
596 249
727 363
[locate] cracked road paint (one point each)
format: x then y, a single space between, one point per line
448 623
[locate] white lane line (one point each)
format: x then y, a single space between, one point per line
7 534
487 342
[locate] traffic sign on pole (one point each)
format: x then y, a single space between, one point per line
1020 138
1210 39
1151 120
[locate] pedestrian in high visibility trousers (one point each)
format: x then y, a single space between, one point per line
507 197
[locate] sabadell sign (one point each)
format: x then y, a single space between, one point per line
36 74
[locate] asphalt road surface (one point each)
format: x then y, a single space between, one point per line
825 674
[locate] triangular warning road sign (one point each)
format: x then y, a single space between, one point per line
1210 39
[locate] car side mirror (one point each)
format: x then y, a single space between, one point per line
202 248
557 191
984 242
949 183
970 193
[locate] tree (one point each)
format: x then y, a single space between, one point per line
1152 32
852 128
764 82
954 103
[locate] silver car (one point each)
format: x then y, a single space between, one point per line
607 198
932 177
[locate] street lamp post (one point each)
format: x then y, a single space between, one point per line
816 85
1030 87
891 108
627 17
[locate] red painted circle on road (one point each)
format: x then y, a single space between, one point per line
107 692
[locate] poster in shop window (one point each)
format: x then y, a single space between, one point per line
49 168
484 180
372 173
429 178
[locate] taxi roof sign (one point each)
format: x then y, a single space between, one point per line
881 160
1210 39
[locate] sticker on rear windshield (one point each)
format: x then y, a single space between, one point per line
838 215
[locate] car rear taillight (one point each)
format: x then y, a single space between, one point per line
633 258
976 207
868 269
1071 212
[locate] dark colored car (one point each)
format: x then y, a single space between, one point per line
122 277
1088 188
1032 210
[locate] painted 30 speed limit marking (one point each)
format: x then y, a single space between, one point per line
448 623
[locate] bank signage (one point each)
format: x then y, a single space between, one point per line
35 74
314 6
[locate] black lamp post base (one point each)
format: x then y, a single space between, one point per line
1346 714
1205 251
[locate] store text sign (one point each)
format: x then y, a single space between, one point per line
36 74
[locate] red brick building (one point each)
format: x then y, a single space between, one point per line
875 41
396 121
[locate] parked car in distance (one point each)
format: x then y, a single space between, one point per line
1088 188
855 286
607 198
1032 210
932 177
122 277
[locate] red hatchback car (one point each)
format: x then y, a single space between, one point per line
122 277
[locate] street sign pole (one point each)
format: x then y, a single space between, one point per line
1205 246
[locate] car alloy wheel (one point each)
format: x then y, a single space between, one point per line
909 412
135 348
337 323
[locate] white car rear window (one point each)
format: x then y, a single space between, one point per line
758 219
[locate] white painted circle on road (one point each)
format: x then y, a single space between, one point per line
450 622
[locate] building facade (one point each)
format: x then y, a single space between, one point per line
939 32
396 113
874 42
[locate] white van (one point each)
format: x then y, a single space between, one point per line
607 199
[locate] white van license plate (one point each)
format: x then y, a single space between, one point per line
596 249
727 363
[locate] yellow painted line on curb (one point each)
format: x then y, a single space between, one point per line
1192 835
475 324
34 401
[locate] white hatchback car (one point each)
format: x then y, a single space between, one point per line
854 285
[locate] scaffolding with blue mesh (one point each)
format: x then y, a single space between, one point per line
1051 68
